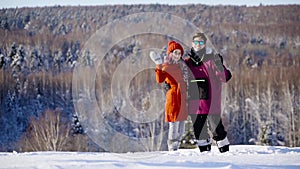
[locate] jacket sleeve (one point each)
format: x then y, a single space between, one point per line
160 74
224 75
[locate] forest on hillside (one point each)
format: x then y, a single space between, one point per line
40 48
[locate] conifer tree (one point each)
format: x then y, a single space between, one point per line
76 126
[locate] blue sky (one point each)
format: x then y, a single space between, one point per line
33 3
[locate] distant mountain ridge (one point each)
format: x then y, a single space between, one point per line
272 23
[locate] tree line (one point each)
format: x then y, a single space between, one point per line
40 47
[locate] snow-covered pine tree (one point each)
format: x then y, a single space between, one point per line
268 135
189 140
70 59
35 61
16 69
57 61
12 53
76 126
86 58
18 63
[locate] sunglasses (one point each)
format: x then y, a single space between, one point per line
196 42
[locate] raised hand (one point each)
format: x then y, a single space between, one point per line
155 57
218 59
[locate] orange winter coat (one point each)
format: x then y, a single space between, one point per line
175 108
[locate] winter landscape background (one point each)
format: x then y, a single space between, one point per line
40 47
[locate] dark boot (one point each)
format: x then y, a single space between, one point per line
205 148
223 145
204 145
224 149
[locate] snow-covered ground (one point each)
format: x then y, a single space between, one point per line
240 156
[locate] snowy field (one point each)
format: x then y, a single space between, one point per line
239 157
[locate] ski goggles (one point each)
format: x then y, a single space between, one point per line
197 42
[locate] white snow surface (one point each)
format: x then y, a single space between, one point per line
239 157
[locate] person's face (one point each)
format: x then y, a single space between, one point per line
198 44
176 54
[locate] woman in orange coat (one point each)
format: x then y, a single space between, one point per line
170 72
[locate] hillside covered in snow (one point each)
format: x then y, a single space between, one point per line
40 49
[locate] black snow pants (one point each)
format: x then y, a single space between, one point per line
202 123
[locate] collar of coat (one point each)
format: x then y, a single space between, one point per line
199 60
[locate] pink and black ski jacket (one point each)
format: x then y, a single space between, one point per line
205 85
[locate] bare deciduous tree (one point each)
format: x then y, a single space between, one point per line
49 132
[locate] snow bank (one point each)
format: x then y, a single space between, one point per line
239 157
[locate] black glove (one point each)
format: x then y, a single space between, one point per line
219 62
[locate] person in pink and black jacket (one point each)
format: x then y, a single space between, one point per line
206 75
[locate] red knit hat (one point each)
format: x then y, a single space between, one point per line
172 45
